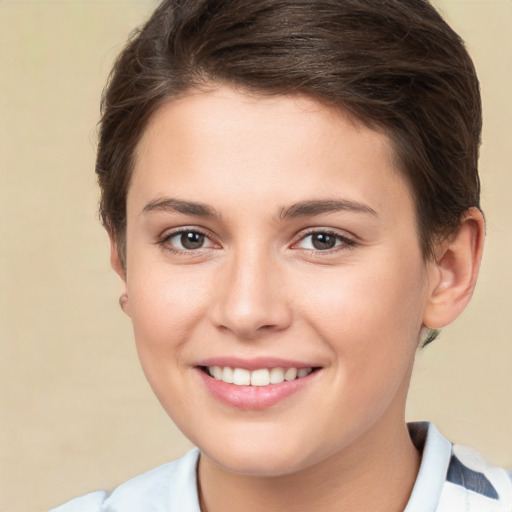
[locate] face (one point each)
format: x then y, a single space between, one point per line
274 276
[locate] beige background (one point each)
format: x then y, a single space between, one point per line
76 413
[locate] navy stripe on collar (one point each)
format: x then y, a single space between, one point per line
460 474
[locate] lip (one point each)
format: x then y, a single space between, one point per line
254 397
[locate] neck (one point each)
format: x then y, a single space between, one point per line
377 473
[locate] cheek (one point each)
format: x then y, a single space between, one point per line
368 314
166 304
370 322
166 307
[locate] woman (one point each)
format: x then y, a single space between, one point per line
292 197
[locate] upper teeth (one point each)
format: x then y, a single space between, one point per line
261 377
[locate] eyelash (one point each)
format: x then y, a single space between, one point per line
345 243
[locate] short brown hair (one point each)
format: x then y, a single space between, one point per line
393 64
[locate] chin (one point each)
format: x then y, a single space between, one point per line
263 458
256 464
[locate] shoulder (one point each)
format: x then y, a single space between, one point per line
171 487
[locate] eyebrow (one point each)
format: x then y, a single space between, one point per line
318 207
302 209
169 204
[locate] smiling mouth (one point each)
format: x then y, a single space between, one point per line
258 378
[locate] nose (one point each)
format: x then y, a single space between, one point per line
251 298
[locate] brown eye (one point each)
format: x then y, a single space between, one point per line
323 241
191 240
186 240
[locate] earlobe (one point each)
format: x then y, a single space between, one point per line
454 271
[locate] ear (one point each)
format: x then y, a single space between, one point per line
454 271
118 264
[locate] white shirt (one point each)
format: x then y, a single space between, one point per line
451 479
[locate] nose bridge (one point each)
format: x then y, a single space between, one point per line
250 297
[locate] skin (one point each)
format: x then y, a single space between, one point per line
258 287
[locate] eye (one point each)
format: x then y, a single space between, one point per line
187 240
323 241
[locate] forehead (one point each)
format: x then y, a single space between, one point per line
223 143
